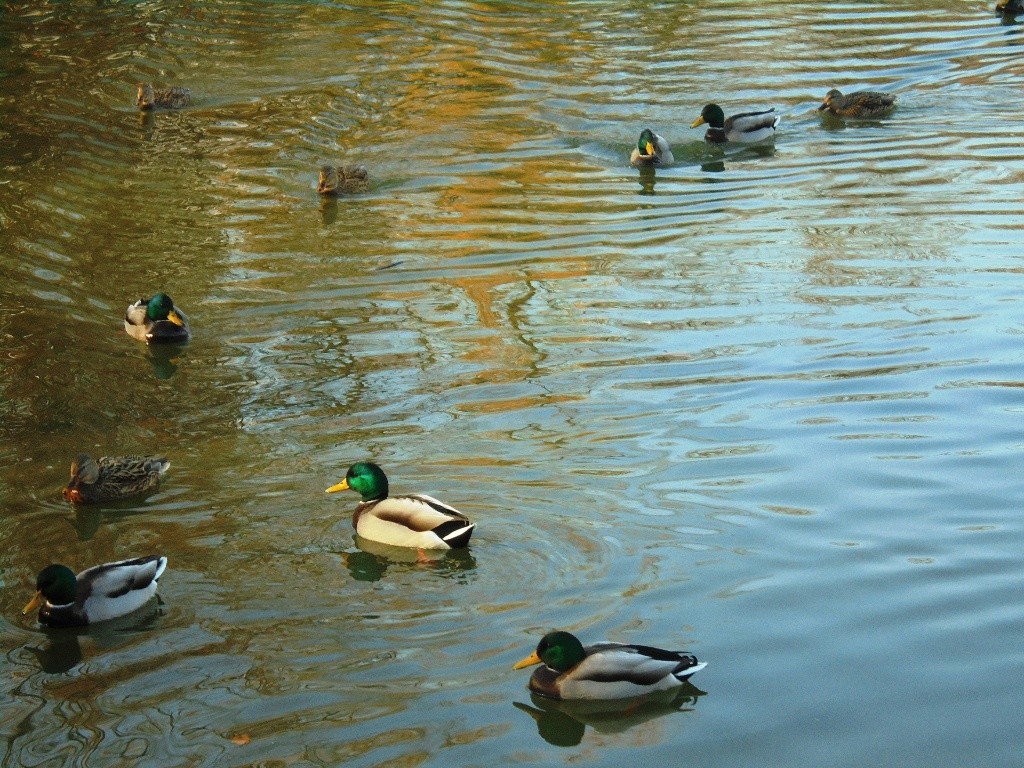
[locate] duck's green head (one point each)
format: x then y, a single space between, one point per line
645 145
712 114
160 307
56 583
365 478
559 650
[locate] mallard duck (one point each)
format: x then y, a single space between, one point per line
156 320
342 180
604 670
746 128
858 103
165 98
651 149
402 521
1009 7
97 594
112 477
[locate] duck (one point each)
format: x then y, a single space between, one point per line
157 321
342 180
96 594
112 477
1009 7
651 149
747 127
415 520
864 104
165 98
604 671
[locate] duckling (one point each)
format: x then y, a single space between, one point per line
156 320
342 180
863 104
97 594
747 127
165 98
651 149
415 520
112 477
604 670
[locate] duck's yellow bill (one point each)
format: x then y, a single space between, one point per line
650 148
529 661
32 604
698 121
175 318
342 486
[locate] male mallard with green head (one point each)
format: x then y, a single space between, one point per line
97 594
604 670
156 320
415 520
746 128
862 104
651 149
112 477
164 98
342 180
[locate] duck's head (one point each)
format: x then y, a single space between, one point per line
328 182
831 96
559 650
56 583
712 114
145 97
84 471
365 478
646 145
160 307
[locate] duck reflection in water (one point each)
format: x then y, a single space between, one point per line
63 649
647 179
373 560
564 723
165 359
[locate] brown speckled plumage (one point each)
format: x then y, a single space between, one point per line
112 477
342 180
864 104
164 98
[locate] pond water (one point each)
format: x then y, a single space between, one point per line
762 405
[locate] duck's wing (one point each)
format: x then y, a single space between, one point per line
135 319
113 580
749 123
418 512
641 665
869 102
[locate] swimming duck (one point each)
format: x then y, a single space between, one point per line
157 320
165 98
863 104
342 180
112 477
1009 7
747 127
402 521
97 594
651 149
604 670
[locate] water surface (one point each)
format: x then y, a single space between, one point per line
762 405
